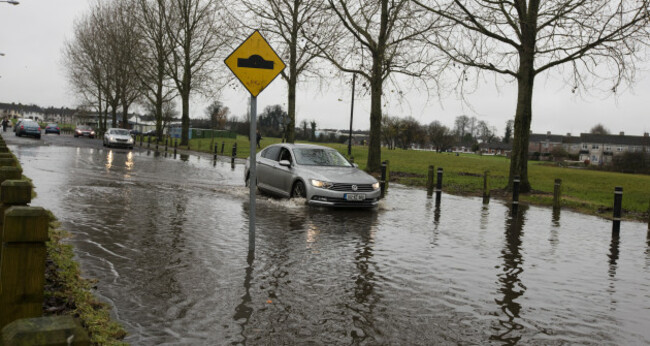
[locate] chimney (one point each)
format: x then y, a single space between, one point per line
622 133
645 134
548 133
568 134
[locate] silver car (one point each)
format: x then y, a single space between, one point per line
320 174
118 137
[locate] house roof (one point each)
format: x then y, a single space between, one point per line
571 140
614 139
538 137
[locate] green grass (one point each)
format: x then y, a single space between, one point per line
584 190
68 289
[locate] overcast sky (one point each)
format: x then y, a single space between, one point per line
32 36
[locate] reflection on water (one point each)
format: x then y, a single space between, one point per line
512 288
168 242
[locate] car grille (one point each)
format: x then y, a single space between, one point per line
342 202
348 187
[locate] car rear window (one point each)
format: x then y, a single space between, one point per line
120 132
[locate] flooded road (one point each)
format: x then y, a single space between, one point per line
168 241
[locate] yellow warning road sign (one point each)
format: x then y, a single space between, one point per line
255 63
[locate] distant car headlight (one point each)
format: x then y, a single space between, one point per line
375 186
321 184
92 133
111 138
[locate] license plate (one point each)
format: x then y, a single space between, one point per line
354 196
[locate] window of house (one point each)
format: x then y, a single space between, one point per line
594 146
594 158
619 149
608 147
584 146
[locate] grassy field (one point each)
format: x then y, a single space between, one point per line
585 190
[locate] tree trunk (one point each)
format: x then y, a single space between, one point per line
114 115
185 120
125 115
293 76
374 145
523 117
291 125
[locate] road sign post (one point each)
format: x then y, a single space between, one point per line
256 65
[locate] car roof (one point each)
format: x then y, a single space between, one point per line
302 145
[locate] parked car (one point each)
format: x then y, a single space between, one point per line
135 132
84 131
118 138
28 128
17 123
320 174
52 128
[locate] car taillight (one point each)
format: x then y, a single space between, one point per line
22 127
39 128
58 128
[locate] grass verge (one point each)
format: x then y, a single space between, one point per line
67 293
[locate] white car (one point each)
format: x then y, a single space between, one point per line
118 138
320 174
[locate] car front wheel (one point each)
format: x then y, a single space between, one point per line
298 190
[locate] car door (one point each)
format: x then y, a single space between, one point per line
265 164
282 175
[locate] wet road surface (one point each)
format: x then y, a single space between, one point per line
168 241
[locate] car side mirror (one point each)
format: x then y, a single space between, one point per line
285 163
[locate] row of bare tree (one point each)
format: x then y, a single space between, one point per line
159 49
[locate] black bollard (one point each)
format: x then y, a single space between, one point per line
382 182
175 146
557 194
149 142
223 143
430 181
157 143
618 204
141 139
515 195
234 153
486 188
439 185
216 146
166 142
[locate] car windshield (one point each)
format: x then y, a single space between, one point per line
84 127
320 157
120 132
51 125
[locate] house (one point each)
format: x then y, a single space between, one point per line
600 149
571 144
496 148
544 144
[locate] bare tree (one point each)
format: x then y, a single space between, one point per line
197 32
520 39
379 40
152 65
127 47
287 21
440 136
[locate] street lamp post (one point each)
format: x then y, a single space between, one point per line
354 82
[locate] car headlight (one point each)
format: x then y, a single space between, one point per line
130 140
321 184
375 186
110 138
92 133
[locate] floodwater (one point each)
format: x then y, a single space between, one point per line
168 241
